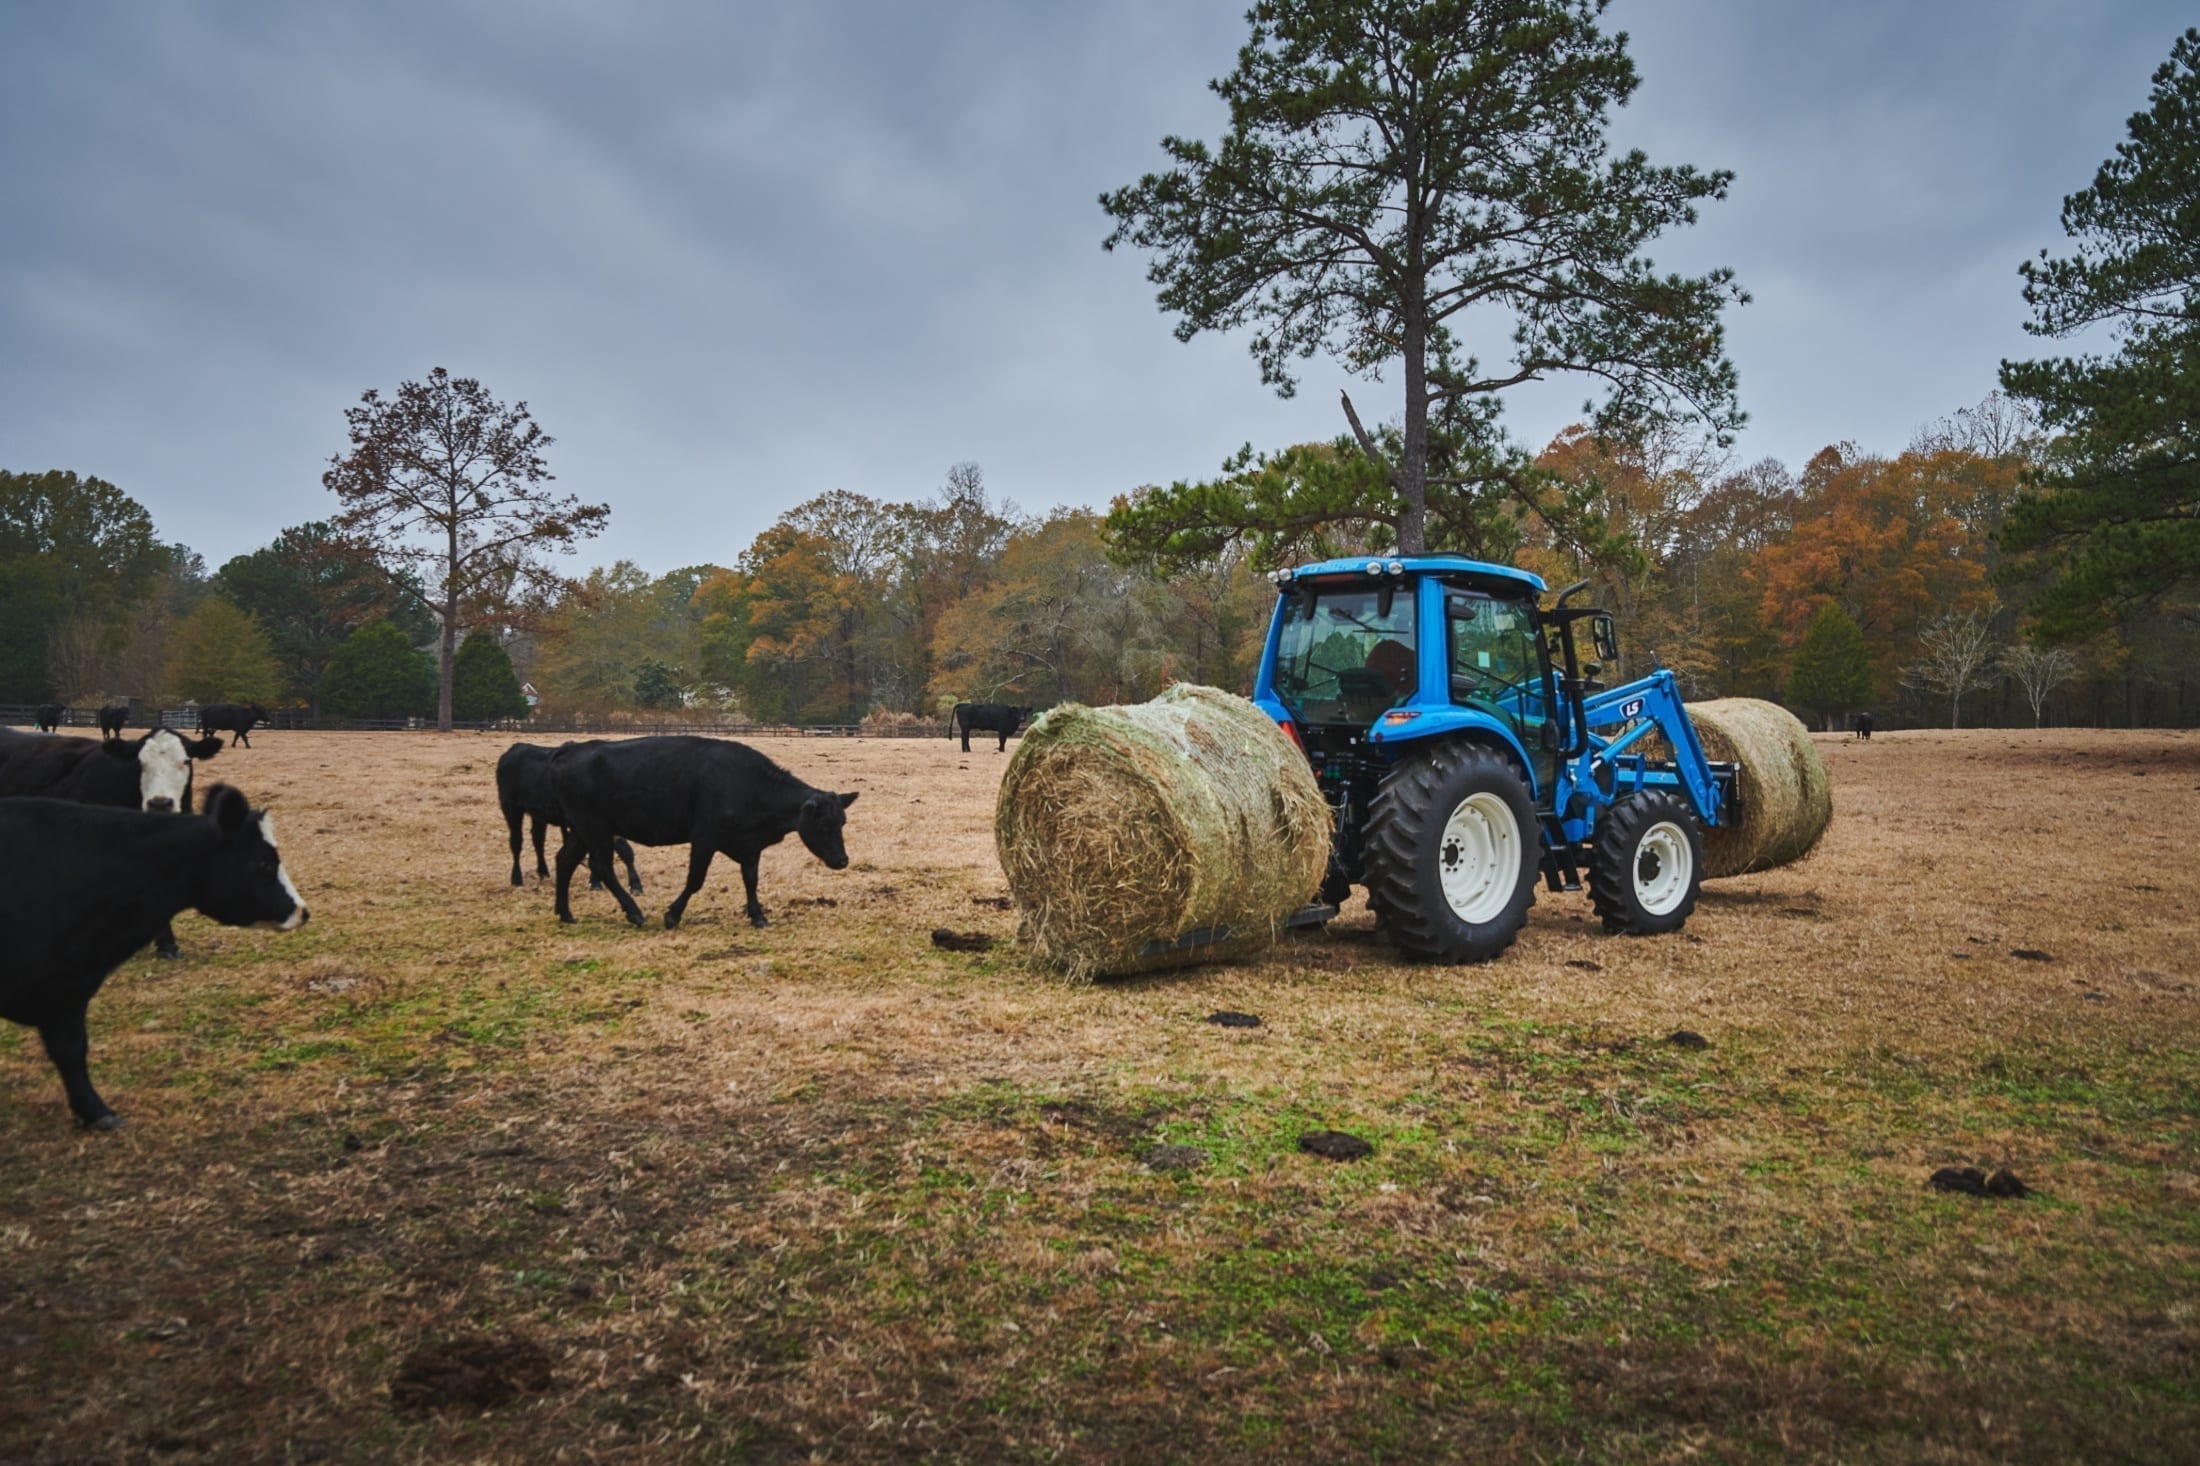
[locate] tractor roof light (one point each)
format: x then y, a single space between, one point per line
1374 567
1396 567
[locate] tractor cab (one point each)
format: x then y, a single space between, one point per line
1369 653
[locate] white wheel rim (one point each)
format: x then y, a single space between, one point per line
1663 865
1479 858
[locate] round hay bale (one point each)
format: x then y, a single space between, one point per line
1158 834
1787 800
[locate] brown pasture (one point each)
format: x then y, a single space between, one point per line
438 1179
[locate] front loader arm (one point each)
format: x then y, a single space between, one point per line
1619 717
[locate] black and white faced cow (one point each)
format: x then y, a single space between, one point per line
708 794
152 773
82 887
524 792
987 717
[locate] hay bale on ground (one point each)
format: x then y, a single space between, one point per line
1787 800
1126 829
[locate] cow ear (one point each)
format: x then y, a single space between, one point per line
203 749
845 799
125 749
229 808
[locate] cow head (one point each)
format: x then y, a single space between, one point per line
164 767
243 883
820 823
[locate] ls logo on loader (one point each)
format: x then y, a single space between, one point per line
1632 708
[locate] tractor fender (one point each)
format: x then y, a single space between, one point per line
1401 730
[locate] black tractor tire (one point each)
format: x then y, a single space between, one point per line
1646 864
1453 847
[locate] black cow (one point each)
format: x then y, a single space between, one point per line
1864 727
152 773
113 718
523 790
991 717
706 793
81 888
47 716
230 717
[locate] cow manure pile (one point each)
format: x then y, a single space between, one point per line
1335 1145
1687 1038
2002 1185
1174 1158
953 941
1227 1019
470 1373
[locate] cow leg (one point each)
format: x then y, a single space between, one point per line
966 738
164 945
569 856
625 852
748 882
1004 744
699 855
71 1051
513 820
241 738
599 863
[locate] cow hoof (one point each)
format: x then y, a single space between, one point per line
518 879
672 919
568 920
637 920
168 954
760 919
108 1121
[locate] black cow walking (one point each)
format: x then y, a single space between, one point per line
990 717
711 795
113 718
1864 727
230 717
81 888
152 773
523 791
47 716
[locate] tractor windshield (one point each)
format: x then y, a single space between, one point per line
1345 655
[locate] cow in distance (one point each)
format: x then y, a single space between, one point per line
47 716
524 792
712 795
237 719
988 717
113 718
82 887
152 773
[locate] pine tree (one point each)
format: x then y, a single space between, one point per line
377 673
2115 518
483 685
1833 668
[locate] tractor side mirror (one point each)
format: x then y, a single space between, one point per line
1602 637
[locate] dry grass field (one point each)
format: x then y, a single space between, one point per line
436 1179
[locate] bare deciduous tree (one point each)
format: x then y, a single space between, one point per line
1955 655
2039 670
444 475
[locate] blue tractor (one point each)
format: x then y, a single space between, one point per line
1468 748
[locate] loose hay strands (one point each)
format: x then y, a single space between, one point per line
1122 827
1787 800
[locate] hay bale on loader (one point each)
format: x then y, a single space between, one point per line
1158 834
1787 800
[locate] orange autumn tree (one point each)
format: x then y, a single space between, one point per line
1895 542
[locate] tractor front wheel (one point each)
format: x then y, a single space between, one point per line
1452 852
1646 864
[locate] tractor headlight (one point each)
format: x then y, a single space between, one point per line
1374 567
1396 567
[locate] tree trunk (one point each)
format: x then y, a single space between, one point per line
1413 462
448 649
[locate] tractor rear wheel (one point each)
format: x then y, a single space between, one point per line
1452 852
1646 864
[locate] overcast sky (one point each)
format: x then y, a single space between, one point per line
737 254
